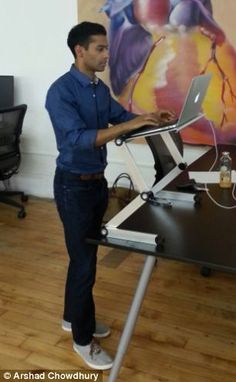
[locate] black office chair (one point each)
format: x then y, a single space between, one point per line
11 121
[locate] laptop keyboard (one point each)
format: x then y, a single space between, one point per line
149 128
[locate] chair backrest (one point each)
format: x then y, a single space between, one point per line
11 121
163 160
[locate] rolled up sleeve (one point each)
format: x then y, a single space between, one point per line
67 122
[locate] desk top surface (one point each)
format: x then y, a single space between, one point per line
203 234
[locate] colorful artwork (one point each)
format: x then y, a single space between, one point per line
157 46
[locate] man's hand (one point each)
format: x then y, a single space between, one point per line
153 119
165 115
144 119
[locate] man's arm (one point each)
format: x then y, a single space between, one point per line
69 126
106 135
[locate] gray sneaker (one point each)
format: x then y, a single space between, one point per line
66 325
101 330
94 356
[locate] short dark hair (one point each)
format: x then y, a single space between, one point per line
81 34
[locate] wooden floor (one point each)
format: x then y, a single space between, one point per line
186 331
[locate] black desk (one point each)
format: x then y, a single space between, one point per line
202 234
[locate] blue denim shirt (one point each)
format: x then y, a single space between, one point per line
78 108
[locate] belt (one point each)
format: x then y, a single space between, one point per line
72 175
91 176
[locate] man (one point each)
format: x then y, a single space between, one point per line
81 108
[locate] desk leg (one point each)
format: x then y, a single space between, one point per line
132 317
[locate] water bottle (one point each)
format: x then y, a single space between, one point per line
225 170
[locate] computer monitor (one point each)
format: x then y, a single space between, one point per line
6 91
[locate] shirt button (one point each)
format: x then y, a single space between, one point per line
94 95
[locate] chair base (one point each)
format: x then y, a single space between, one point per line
5 198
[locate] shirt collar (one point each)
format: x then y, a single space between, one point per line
82 78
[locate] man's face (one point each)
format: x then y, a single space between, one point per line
95 57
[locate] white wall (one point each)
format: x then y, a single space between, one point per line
33 49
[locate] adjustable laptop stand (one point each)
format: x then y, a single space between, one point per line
111 229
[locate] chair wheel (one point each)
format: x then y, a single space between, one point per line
24 198
21 214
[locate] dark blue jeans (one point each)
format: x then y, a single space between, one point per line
81 205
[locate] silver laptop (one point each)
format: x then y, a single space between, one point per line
191 110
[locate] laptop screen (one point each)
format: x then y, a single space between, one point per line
191 110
